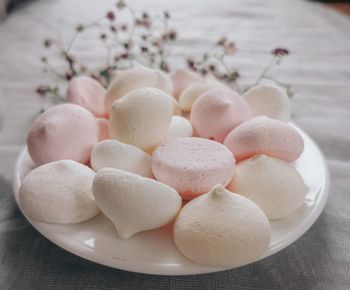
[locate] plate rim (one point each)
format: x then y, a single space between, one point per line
299 231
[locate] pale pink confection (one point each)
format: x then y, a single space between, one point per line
65 131
193 165
103 129
182 79
88 93
215 113
263 135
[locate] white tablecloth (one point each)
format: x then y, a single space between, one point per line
319 71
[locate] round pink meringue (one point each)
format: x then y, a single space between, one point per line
181 79
215 113
263 135
88 93
103 126
65 131
193 165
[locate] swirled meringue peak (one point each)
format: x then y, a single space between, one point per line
222 229
141 118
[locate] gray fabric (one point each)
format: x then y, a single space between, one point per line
318 69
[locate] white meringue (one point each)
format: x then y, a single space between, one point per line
134 203
222 229
181 79
269 100
192 92
134 78
141 118
114 154
274 185
179 127
59 192
177 110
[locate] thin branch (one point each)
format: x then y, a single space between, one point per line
267 69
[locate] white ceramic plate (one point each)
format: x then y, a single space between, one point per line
154 252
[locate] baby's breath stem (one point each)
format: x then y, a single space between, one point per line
72 42
146 39
228 71
264 73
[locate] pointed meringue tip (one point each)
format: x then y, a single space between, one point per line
124 235
218 190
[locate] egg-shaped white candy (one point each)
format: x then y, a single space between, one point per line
115 154
59 192
134 203
182 78
141 118
274 185
269 100
164 82
192 92
177 110
222 229
134 78
179 127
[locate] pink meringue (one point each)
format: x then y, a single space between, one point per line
215 113
103 126
262 135
65 131
193 165
88 93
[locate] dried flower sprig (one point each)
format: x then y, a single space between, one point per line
54 91
144 39
277 56
215 62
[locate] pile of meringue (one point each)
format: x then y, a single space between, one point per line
154 149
